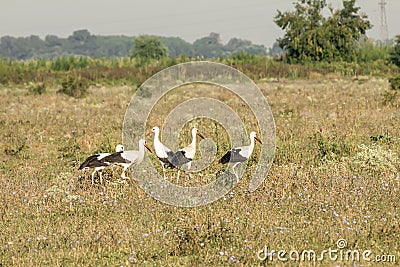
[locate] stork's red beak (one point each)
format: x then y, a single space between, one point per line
148 148
255 137
149 132
199 134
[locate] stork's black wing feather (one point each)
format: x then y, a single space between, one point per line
115 158
179 159
225 158
167 161
232 156
92 162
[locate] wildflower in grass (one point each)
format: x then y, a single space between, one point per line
221 253
201 244
375 158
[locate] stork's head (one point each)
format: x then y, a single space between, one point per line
155 130
196 131
119 148
253 135
143 142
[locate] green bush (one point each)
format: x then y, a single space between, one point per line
69 63
395 52
37 88
74 86
395 83
330 147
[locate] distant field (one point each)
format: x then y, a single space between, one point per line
335 176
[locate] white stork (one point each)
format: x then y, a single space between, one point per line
185 155
95 162
127 158
240 154
164 154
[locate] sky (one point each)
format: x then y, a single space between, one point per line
188 19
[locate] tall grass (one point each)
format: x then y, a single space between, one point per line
335 175
124 71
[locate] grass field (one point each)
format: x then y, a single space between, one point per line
335 176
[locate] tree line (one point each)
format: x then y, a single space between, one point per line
313 32
83 43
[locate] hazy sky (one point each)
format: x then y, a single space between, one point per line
252 20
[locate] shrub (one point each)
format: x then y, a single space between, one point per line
395 83
74 86
330 147
69 63
395 52
37 89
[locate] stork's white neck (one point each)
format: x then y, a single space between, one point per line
141 147
251 146
252 142
156 134
193 144
157 141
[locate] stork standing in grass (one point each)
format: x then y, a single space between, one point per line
164 154
127 158
185 155
95 162
240 154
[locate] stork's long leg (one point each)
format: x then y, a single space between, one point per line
123 175
163 170
101 178
189 165
93 176
179 172
233 168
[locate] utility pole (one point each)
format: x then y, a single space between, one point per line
383 22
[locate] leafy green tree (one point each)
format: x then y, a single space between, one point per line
395 52
236 45
113 46
21 48
309 36
209 47
369 51
80 35
82 43
146 48
177 46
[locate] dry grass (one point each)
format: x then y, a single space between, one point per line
320 188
